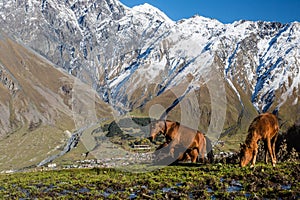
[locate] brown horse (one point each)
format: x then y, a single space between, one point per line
264 127
191 141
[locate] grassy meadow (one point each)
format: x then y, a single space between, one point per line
186 181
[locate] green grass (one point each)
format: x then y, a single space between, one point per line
185 182
24 148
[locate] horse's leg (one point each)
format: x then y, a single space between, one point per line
254 155
203 151
270 151
194 155
202 154
273 148
172 148
187 157
182 157
266 151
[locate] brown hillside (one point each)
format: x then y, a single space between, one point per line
38 103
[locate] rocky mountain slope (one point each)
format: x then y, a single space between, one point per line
208 75
36 104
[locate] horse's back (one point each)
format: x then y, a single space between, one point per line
186 135
191 138
270 118
265 125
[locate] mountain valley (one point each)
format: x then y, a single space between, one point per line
70 65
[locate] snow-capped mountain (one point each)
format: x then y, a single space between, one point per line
134 57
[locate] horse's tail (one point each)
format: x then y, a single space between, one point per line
209 150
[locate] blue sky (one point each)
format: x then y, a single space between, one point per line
227 11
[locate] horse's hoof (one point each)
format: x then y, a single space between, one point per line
251 166
171 155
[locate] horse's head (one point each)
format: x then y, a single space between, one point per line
246 154
156 128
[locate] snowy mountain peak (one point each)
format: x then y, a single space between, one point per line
131 56
153 11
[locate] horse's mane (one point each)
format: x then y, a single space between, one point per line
251 129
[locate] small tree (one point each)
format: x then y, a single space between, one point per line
114 130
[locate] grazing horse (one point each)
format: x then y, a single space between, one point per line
191 141
264 127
